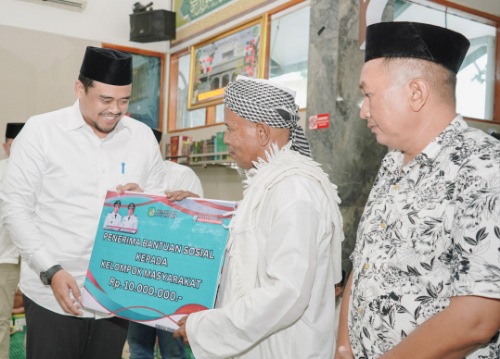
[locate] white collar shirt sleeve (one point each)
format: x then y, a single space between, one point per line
180 177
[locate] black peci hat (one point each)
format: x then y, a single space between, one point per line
13 129
109 66
401 39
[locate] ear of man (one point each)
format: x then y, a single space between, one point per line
419 93
79 88
263 133
267 135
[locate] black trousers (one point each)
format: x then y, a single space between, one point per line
54 336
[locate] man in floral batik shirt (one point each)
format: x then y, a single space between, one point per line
426 266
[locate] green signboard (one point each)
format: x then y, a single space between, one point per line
189 10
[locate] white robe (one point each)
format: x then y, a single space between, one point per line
277 295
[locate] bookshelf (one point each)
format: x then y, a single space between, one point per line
211 151
178 159
204 159
212 158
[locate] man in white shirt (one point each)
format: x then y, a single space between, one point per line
9 257
61 166
276 298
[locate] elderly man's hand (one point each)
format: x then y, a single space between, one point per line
181 332
179 195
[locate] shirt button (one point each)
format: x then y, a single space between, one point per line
395 187
366 266
360 310
382 225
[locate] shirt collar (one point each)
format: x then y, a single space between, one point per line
271 153
432 150
394 159
76 120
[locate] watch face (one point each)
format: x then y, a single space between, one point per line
44 278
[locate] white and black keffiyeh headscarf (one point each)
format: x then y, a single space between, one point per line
265 101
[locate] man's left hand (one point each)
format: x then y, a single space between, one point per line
67 293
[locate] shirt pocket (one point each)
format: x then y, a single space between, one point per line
131 172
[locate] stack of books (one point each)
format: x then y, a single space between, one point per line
179 149
211 149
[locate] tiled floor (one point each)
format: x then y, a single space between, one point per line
18 343
17 346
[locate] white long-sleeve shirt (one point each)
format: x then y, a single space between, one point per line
53 193
181 177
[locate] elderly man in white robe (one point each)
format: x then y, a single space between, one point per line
277 297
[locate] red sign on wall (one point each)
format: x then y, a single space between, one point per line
320 121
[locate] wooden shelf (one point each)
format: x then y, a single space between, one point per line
182 160
217 159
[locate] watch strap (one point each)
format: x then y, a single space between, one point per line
46 276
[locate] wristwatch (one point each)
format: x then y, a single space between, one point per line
46 277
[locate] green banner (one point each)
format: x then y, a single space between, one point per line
189 10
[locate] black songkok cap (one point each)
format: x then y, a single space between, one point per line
157 134
416 40
108 66
13 129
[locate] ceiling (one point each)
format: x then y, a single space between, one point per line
487 6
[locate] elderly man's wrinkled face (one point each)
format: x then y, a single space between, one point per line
241 138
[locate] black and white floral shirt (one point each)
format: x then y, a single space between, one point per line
430 231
